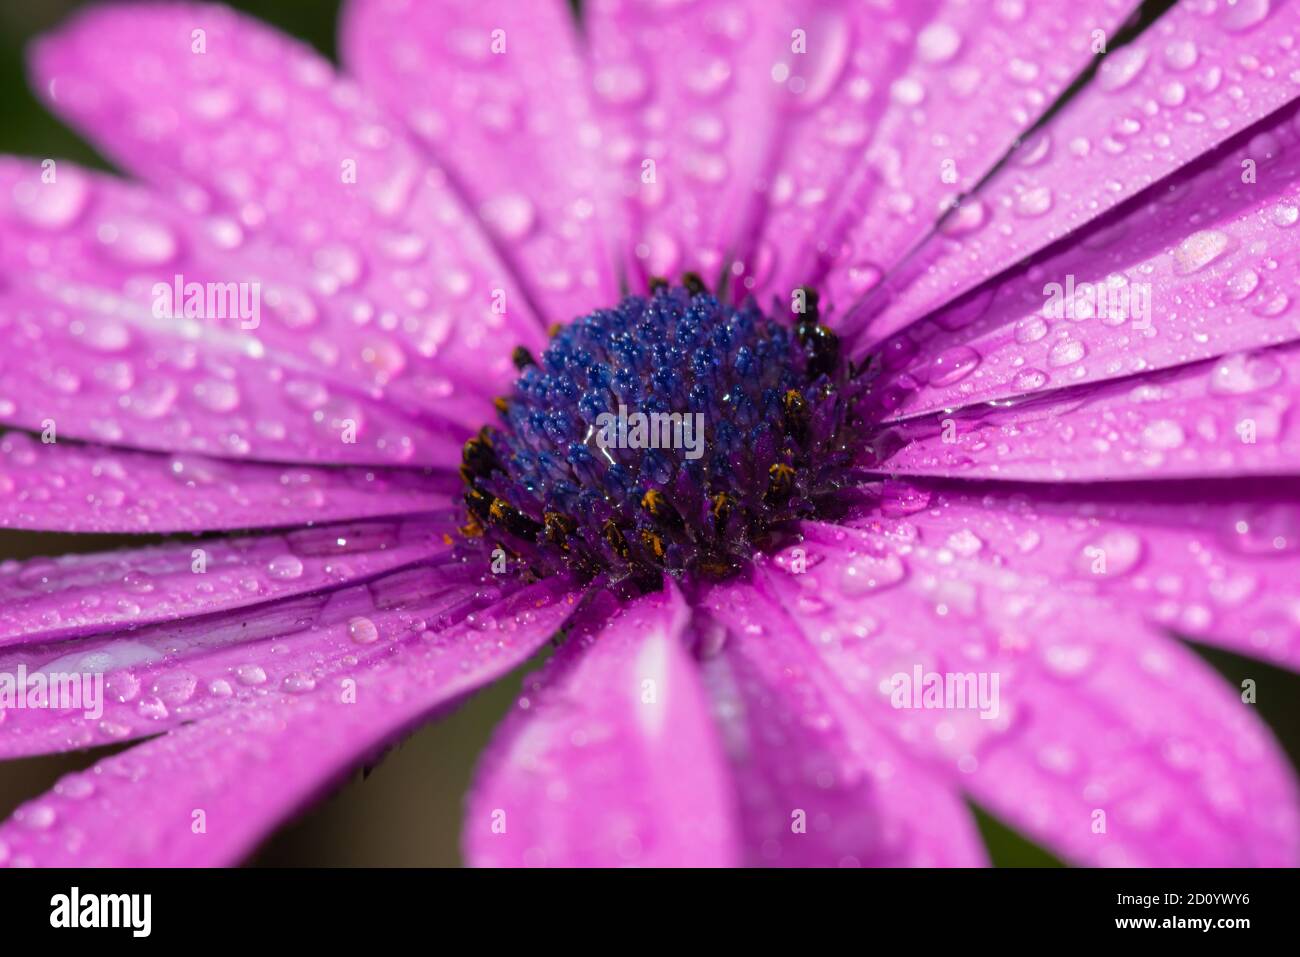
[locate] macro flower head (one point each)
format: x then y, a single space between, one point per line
864 400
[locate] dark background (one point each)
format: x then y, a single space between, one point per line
407 811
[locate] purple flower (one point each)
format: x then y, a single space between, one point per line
969 466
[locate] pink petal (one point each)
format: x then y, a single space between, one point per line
1095 711
91 488
1214 561
1229 416
831 79
610 756
384 270
254 765
1188 270
1196 77
916 123
101 347
52 599
687 96
818 784
169 673
486 86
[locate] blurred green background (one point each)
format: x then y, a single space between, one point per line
407 811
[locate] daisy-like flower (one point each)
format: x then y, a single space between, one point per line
953 413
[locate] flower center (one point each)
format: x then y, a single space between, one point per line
671 433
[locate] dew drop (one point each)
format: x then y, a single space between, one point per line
1120 68
250 675
510 214
1181 54
285 567
137 242
1066 352
298 682
1285 214
621 84
363 631
1164 435
1199 250
1243 15
1241 284
865 574
52 205
953 365
1034 202
938 43
1244 373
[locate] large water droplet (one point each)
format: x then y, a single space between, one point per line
1199 250
137 242
866 573
285 567
363 631
938 43
510 214
53 205
1120 68
1163 435
952 365
1239 16
1245 373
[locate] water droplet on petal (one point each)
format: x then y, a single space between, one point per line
52 205
938 43
511 214
1285 214
298 682
866 573
137 242
285 567
1241 284
1238 16
1199 250
1120 68
1066 352
952 365
1245 373
1163 434
621 84
250 675
363 631
1034 202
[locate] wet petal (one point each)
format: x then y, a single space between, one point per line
832 81
383 269
52 599
1217 561
1093 711
130 326
1196 77
1196 267
933 96
165 674
818 783
70 487
254 765
687 96
483 86
610 756
1228 416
